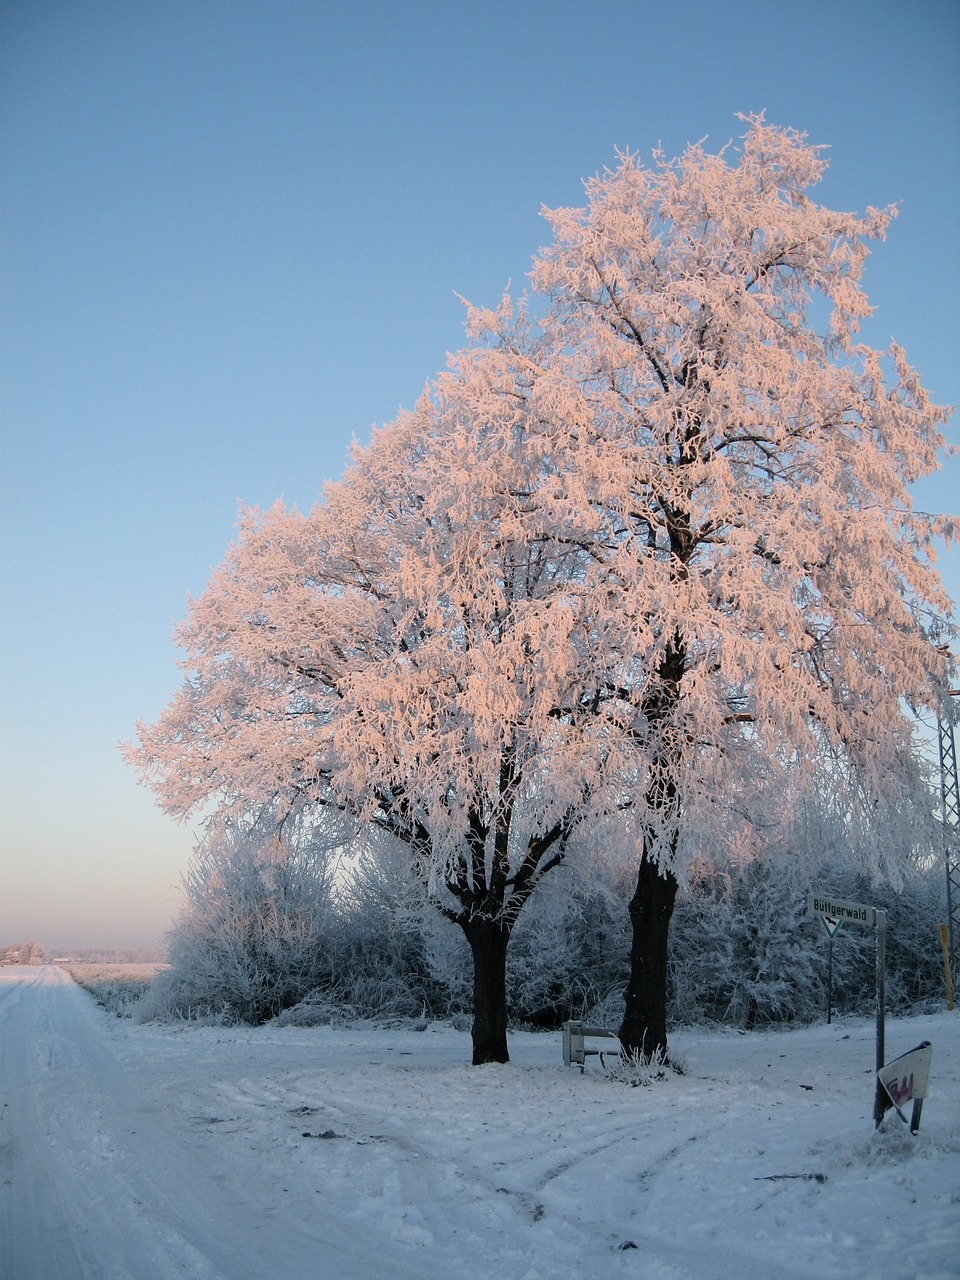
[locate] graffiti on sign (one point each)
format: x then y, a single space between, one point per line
905 1079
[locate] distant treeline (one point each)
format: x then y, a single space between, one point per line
34 953
23 953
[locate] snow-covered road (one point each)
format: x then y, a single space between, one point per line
105 1175
148 1152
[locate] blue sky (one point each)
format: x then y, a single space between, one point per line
233 236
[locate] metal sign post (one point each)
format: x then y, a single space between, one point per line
880 1101
836 911
831 928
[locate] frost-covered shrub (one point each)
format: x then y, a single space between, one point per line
914 975
740 952
268 930
569 948
638 1069
744 951
390 958
448 966
252 936
395 956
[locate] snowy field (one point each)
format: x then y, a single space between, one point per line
147 1152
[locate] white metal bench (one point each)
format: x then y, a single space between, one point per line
575 1048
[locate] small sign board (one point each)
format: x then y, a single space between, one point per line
819 904
905 1079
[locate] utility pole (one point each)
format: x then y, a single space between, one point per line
950 816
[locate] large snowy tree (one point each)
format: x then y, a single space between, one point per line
415 652
778 591
603 573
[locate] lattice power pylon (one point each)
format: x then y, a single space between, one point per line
950 800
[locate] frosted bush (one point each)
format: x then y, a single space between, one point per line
251 938
637 1069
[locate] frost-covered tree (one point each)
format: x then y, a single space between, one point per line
415 652
776 590
22 953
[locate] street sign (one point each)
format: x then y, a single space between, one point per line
838 912
856 912
905 1080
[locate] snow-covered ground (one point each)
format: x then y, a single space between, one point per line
147 1152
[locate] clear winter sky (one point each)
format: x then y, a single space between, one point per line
233 238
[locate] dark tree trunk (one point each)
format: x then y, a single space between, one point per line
488 941
644 1027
